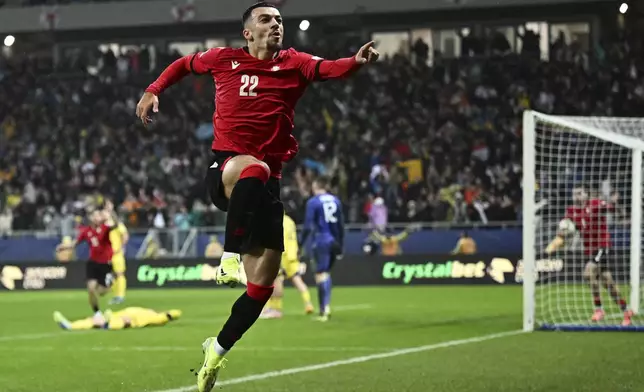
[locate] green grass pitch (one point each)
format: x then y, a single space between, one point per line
449 331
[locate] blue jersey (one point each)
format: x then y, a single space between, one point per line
324 220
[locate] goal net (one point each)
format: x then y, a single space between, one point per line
589 169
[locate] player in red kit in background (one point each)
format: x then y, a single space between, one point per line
589 217
257 88
98 269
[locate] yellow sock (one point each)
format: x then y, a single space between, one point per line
83 324
306 297
119 286
115 287
271 303
277 304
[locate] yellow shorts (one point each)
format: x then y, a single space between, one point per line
290 268
118 263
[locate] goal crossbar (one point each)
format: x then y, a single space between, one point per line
569 122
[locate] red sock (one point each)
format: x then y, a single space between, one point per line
244 313
259 293
597 301
618 299
255 171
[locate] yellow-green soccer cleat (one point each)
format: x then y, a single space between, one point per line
62 321
325 315
229 271
212 363
322 318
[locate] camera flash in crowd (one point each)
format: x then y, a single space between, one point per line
9 40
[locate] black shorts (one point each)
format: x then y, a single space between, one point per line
603 258
267 230
100 272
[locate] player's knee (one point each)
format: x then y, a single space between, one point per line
607 277
243 166
321 277
92 286
590 272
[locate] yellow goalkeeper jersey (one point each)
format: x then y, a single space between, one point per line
116 238
290 239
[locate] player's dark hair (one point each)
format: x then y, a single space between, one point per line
322 182
250 9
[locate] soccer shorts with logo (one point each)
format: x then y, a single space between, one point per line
267 229
118 263
603 257
100 272
289 267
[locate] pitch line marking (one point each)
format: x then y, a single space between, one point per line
350 361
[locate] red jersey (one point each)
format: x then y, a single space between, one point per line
590 220
255 99
98 238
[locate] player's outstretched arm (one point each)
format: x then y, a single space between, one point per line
198 63
555 244
317 69
343 68
171 75
64 247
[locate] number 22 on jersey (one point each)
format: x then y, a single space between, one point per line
248 85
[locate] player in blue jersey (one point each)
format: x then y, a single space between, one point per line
325 223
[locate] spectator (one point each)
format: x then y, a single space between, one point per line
378 216
465 245
214 249
6 222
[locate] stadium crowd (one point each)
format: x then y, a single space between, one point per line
411 141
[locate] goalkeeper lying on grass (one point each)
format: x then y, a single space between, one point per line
126 318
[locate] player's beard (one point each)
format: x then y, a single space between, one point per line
273 43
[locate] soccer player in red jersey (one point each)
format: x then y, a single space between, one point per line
98 269
589 217
257 88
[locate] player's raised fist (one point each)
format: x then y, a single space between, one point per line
148 101
367 54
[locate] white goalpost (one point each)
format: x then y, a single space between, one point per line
603 155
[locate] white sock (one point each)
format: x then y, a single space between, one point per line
220 350
98 314
227 255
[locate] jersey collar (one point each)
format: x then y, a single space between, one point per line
275 57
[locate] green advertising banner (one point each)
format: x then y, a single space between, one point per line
175 273
350 271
